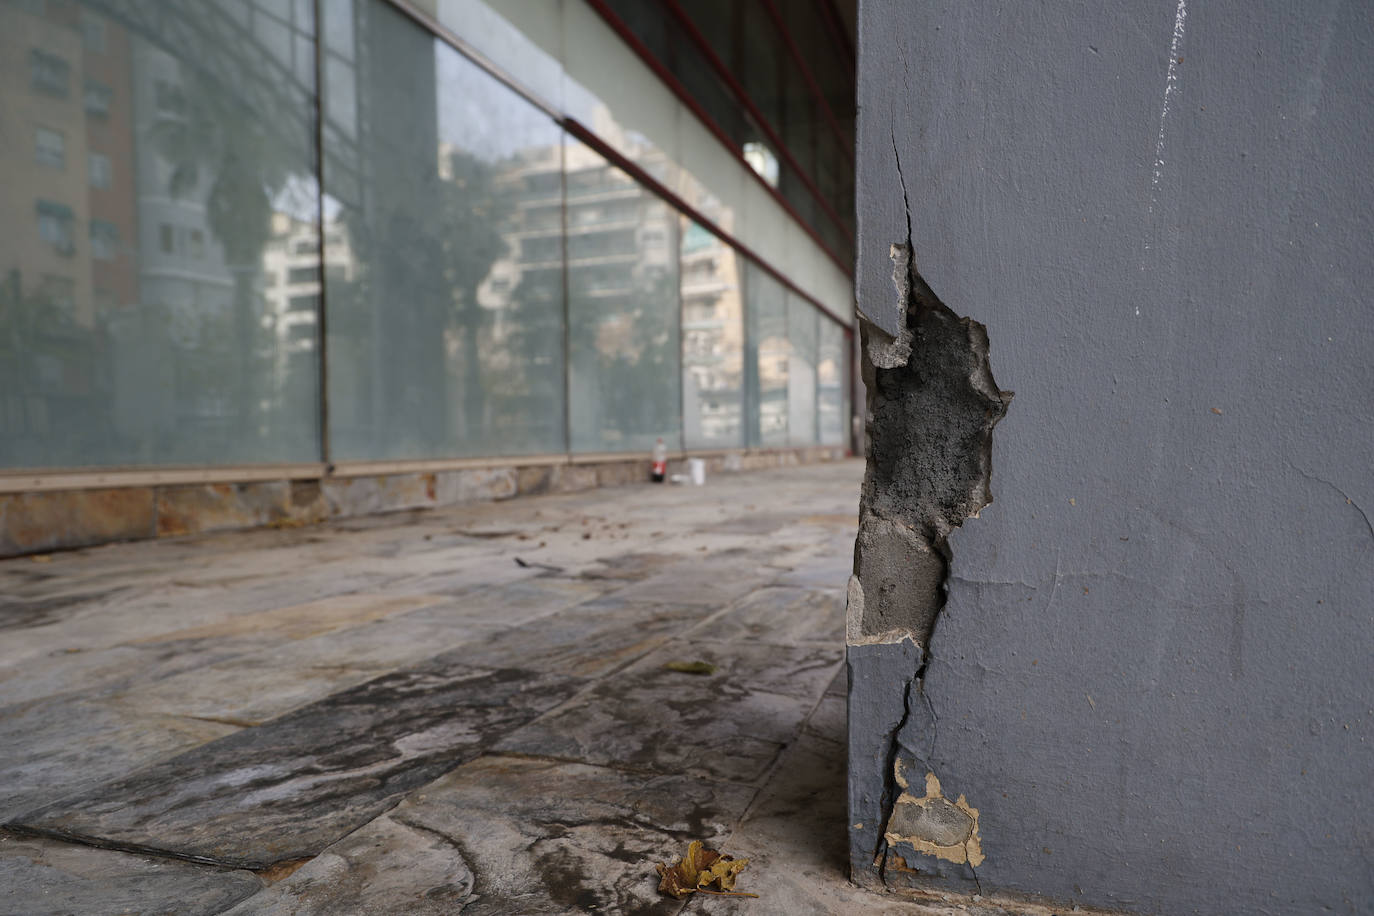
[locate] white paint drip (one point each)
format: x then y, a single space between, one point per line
1170 90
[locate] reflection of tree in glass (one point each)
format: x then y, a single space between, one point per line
472 212
634 350
437 238
217 144
41 349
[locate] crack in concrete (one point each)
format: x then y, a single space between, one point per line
932 404
1348 500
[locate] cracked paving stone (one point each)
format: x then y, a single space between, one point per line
714 580
287 789
58 746
727 725
47 878
826 570
630 566
795 842
542 836
589 640
830 719
382 868
780 615
760 523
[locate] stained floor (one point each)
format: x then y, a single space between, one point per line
469 710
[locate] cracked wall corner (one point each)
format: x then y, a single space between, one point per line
931 408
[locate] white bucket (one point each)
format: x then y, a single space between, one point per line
697 468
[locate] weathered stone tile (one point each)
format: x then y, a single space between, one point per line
93 673
196 508
56 747
758 523
384 867
633 566
471 485
826 569
784 615
45 520
797 671
795 842
550 837
244 690
302 620
396 642
528 599
830 719
727 725
370 495
588 640
714 581
47 878
459 577
287 789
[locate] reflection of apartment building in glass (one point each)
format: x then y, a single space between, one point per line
712 292
547 232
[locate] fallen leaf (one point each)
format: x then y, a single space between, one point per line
697 667
698 870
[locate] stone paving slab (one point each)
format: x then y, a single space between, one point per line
727 725
245 690
60 879
782 615
287 789
712 580
385 659
385 867
545 836
589 640
58 746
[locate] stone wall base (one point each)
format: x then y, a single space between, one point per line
43 520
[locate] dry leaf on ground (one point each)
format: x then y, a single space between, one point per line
697 667
698 870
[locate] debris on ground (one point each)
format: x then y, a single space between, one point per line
696 667
530 564
698 870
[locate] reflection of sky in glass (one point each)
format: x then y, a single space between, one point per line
470 120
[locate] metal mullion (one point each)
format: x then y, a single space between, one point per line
321 312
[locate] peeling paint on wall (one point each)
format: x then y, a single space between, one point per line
934 825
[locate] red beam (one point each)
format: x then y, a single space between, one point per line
672 82
771 9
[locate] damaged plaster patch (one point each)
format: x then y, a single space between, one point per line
932 403
930 420
880 348
933 824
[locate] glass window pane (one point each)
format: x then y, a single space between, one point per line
768 358
444 278
134 328
712 340
623 318
801 371
830 378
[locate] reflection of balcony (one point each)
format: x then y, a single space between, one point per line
595 195
604 291
606 224
703 324
703 288
529 200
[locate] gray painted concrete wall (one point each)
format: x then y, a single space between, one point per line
1152 676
